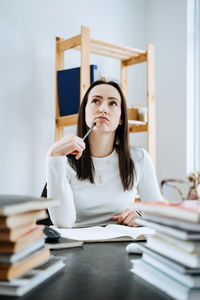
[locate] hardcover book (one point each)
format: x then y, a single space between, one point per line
16 204
68 82
32 278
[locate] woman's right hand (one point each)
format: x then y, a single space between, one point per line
68 144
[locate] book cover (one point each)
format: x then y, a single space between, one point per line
188 210
183 234
9 271
13 258
13 234
22 219
16 204
172 222
64 243
169 262
164 282
164 247
191 281
32 278
22 241
68 82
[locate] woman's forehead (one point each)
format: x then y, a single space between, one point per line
105 90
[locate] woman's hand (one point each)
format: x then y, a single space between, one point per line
127 217
68 144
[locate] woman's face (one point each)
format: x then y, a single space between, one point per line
103 108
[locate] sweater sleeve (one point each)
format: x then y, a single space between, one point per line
58 187
148 188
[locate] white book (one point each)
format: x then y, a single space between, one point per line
32 278
180 268
164 282
191 281
162 246
187 246
191 226
176 232
112 232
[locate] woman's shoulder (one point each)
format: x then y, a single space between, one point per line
138 154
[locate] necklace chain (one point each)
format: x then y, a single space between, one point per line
100 178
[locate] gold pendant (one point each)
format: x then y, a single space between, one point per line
100 180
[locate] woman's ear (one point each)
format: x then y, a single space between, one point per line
120 122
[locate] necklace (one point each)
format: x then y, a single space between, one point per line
100 178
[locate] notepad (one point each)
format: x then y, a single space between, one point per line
109 233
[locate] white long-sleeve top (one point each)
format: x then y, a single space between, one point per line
83 203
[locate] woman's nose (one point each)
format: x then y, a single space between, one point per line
103 108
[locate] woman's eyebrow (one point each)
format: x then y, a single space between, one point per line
113 98
110 98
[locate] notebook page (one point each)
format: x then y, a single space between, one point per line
98 233
133 232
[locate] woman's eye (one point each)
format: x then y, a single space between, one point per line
113 103
95 101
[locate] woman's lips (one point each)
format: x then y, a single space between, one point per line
102 118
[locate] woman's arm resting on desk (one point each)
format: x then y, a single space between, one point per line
58 187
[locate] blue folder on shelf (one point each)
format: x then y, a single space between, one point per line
68 82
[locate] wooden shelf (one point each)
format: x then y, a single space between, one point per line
128 57
134 124
137 127
99 47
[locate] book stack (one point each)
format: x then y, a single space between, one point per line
171 256
22 244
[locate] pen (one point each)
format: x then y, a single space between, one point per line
87 133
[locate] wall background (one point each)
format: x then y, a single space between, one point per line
27 77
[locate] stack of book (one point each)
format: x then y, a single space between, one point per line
22 244
171 256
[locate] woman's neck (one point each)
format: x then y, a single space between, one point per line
101 144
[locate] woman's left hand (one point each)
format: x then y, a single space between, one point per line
127 217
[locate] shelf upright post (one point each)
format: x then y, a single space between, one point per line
124 79
85 61
59 131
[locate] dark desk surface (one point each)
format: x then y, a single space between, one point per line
97 271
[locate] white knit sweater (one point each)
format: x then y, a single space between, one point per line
85 204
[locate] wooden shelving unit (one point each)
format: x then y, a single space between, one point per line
128 57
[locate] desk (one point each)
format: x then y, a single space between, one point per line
98 271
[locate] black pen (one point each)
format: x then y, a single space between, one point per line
87 133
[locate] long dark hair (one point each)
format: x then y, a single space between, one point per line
84 165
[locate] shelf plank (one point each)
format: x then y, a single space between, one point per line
113 47
67 120
136 127
135 60
69 43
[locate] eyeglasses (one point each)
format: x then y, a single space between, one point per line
175 191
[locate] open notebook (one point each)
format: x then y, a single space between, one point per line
109 233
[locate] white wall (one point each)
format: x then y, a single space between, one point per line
27 76
165 27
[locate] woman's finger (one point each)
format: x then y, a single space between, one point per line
122 216
128 219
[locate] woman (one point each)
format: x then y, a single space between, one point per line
98 181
